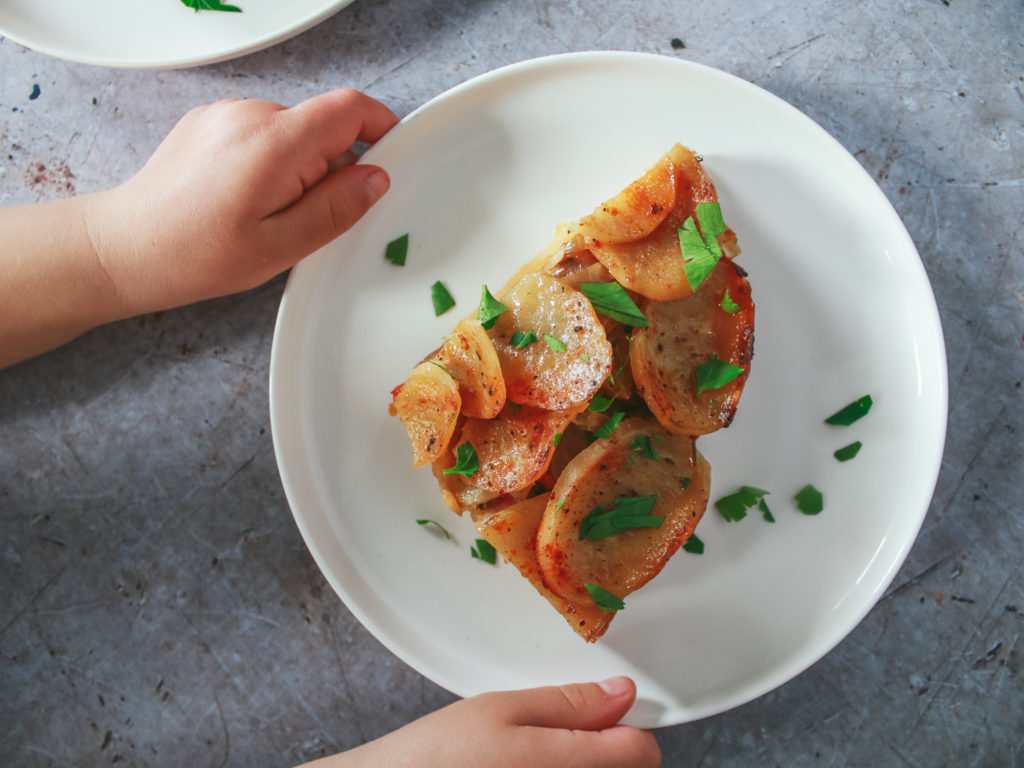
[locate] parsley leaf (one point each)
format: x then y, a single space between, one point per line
763 506
484 551
466 461
734 506
600 404
453 374
210 5
520 339
644 445
606 429
847 452
490 309
694 545
855 410
628 512
437 525
556 345
396 250
716 373
443 300
809 500
611 300
728 304
557 440
605 600
700 249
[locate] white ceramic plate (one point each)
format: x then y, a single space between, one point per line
151 34
480 177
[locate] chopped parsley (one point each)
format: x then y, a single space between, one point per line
728 304
396 250
734 506
716 373
844 417
847 452
645 446
694 545
809 500
600 404
484 551
556 345
437 526
700 248
763 506
684 483
628 512
466 461
443 300
520 339
451 373
557 440
585 358
611 300
210 5
490 309
605 600
606 429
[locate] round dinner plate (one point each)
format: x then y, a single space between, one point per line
481 175
156 34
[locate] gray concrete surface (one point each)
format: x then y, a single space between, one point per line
157 605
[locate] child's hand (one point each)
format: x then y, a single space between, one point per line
238 192
568 726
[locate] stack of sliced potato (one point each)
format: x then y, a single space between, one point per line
587 477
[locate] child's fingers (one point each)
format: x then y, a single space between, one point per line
583 706
617 747
325 211
331 121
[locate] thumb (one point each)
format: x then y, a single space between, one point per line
580 706
327 209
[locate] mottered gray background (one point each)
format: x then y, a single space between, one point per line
157 605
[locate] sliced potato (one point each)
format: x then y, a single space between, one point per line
637 210
600 474
512 532
428 404
683 335
513 449
538 374
469 355
654 266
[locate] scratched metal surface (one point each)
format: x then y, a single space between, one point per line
157 606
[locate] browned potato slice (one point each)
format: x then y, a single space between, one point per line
428 404
637 210
537 374
511 531
654 266
682 336
605 471
469 354
513 449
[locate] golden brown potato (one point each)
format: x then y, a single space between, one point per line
636 211
542 374
428 404
612 469
682 336
469 354
653 266
511 531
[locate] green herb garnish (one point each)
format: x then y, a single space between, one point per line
847 452
809 500
605 600
611 300
443 300
763 506
451 373
684 483
396 250
557 440
734 506
600 404
585 358
556 345
644 445
520 339
701 251
210 5
694 545
466 461
606 429
716 373
728 304
484 551
490 309
437 525
855 410
628 512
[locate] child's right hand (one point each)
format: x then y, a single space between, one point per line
567 726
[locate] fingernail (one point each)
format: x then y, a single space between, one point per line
378 182
616 686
